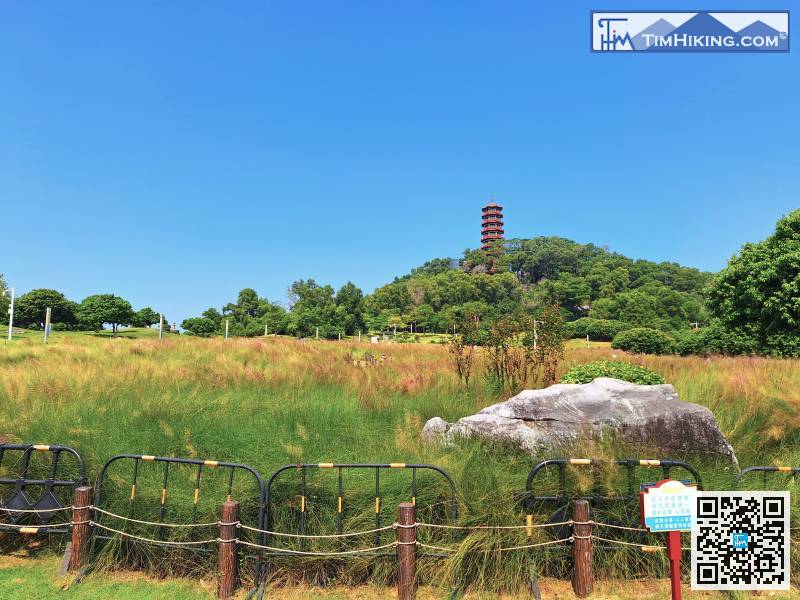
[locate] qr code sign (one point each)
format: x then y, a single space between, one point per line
740 541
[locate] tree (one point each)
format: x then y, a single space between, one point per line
99 309
30 308
146 317
462 347
550 343
759 290
313 306
213 315
5 301
199 326
350 298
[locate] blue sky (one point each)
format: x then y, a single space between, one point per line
176 152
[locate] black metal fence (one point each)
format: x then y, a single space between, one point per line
37 483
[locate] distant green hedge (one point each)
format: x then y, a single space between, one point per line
588 372
599 330
643 340
716 339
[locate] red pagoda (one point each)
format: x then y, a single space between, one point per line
492 227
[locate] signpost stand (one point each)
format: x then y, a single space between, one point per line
669 507
674 555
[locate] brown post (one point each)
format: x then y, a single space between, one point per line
81 529
582 572
228 558
406 551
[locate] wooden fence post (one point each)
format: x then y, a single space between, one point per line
406 551
81 529
227 548
582 571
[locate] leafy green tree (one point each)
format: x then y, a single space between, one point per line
313 306
146 317
351 300
5 301
213 315
100 309
30 308
199 326
759 291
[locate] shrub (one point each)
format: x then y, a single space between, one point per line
588 372
597 329
404 337
199 326
643 340
716 339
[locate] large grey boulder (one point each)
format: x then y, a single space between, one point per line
554 418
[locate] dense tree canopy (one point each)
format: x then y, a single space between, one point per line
146 317
100 309
582 279
759 291
4 300
30 308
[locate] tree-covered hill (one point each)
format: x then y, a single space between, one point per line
584 279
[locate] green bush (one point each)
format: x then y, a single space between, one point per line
716 339
588 372
597 329
404 337
643 340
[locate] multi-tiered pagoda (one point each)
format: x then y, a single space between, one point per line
492 226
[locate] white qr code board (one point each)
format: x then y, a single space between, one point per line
740 541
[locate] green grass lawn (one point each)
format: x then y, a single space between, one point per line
37 579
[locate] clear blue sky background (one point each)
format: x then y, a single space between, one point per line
175 152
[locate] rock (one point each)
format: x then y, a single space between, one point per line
555 418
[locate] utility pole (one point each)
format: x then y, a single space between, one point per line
11 315
160 326
359 335
317 332
588 345
266 329
226 328
47 324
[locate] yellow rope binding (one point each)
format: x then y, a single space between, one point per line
529 525
649 463
196 495
163 496
377 504
339 509
211 463
580 461
148 457
397 465
785 469
41 447
325 465
133 491
302 504
29 530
